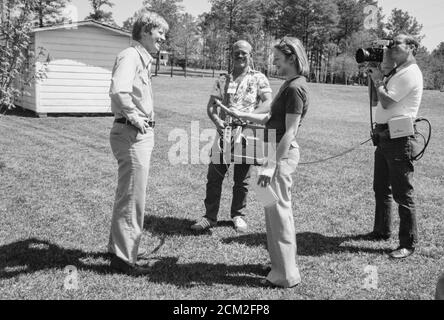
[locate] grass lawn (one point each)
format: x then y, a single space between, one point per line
57 182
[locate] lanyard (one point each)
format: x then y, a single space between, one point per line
395 70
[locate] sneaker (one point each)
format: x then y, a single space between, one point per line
239 224
401 253
203 224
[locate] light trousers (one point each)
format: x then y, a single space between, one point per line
281 233
132 151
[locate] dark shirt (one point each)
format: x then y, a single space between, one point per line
293 98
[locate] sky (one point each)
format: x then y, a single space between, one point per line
428 12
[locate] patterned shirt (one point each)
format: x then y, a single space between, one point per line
248 90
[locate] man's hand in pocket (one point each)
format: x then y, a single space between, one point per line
142 124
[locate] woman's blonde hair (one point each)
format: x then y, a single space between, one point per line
291 46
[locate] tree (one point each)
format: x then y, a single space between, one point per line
270 12
402 22
346 66
49 12
17 67
437 64
185 39
100 15
425 63
170 10
211 26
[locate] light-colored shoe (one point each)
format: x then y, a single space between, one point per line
203 224
239 224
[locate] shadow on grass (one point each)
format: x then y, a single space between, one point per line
171 226
25 113
33 255
167 271
311 244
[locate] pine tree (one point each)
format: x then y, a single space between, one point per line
402 22
100 15
49 12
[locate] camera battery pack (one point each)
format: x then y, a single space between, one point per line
401 126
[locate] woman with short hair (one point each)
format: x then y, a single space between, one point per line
287 111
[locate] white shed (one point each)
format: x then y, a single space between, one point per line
81 58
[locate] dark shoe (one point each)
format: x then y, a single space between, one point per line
144 255
120 266
266 269
269 284
401 253
203 224
376 236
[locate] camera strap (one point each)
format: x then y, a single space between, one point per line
395 70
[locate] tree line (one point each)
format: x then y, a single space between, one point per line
331 30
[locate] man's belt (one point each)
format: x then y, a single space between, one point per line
381 126
152 124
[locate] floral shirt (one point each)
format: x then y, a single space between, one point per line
248 89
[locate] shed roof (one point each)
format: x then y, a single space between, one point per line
84 23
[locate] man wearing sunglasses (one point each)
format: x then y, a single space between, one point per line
399 94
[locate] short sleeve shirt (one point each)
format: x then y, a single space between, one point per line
405 88
293 98
248 90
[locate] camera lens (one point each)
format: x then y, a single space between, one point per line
362 55
370 55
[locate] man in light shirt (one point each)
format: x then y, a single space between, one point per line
399 94
132 139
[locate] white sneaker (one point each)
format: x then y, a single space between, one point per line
239 224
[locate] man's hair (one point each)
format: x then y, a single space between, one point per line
291 46
146 21
243 43
411 41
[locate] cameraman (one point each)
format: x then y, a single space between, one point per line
400 94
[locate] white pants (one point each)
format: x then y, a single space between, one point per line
132 151
281 234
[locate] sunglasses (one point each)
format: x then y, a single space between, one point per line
284 44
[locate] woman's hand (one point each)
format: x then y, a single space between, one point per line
264 181
220 126
236 113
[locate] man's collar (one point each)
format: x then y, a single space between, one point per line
144 54
405 65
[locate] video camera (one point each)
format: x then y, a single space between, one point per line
374 54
